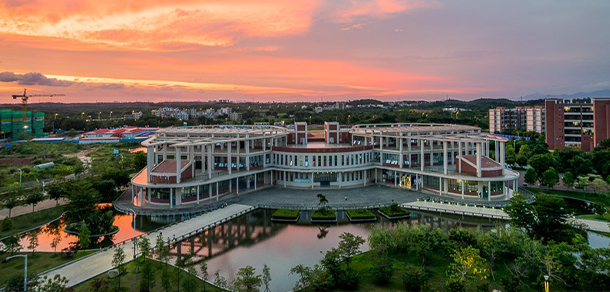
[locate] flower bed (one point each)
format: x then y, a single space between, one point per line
359 215
285 215
320 216
394 212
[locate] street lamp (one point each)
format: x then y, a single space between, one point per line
25 269
546 283
20 175
134 233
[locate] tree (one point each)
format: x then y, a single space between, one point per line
542 162
323 203
56 191
6 224
204 272
349 246
382 268
10 203
34 198
33 240
219 281
147 280
11 245
165 279
84 236
118 259
568 179
603 145
190 282
247 280
312 279
531 176
56 284
413 278
582 181
266 277
550 177
82 199
598 184
467 266
107 189
581 165
521 213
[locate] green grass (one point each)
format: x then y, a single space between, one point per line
40 262
319 215
597 198
394 212
606 217
360 214
285 214
24 222
437 267
130 281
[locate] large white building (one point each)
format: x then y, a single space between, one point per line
195 164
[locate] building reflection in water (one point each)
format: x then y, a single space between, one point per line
253 239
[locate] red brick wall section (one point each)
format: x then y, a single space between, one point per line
555 128
586 142
187 173
601 119
162 179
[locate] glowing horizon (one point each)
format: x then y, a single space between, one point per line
276 50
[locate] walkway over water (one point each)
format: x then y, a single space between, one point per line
88 267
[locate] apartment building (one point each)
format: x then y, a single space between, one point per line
578 125
502 120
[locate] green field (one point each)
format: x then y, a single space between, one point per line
597 198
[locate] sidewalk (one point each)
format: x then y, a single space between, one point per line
26 209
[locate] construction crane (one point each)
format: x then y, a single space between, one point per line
24 106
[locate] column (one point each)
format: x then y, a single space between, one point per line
340 178
497 151
440 186
255 181
311 180
431 153
178 165
217 191
365 176
165 151
284 179
409 149
264 152
502 150
395 179
237 186
478 159
402 159
462 189
460 154
489 191
171 198
487 148
150 153
445 159
229 158
209 192
421 160
197 195
248 153
210 164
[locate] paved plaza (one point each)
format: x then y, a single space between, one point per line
307 198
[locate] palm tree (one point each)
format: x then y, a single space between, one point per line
322 202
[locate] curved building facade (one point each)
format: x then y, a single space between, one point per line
192 165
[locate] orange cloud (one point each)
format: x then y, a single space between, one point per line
153 25
379 8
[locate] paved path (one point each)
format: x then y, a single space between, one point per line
26 209
100 262
595 225
457 209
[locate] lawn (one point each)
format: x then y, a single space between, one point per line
437 267
606 217
285 214
394 211
319 215
597 198
31 220
40 262
130 281
360 214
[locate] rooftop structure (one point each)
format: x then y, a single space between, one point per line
190 165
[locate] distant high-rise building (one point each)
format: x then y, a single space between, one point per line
579 125
502 120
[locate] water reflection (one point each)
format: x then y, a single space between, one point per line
51 237
253 239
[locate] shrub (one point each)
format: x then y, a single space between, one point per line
394 210
7 224
360 214
317 214
413 278
382 269
285 214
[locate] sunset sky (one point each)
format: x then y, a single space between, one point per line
304 50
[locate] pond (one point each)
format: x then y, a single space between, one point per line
253 239
52 237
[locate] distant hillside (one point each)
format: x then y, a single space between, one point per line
592 94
